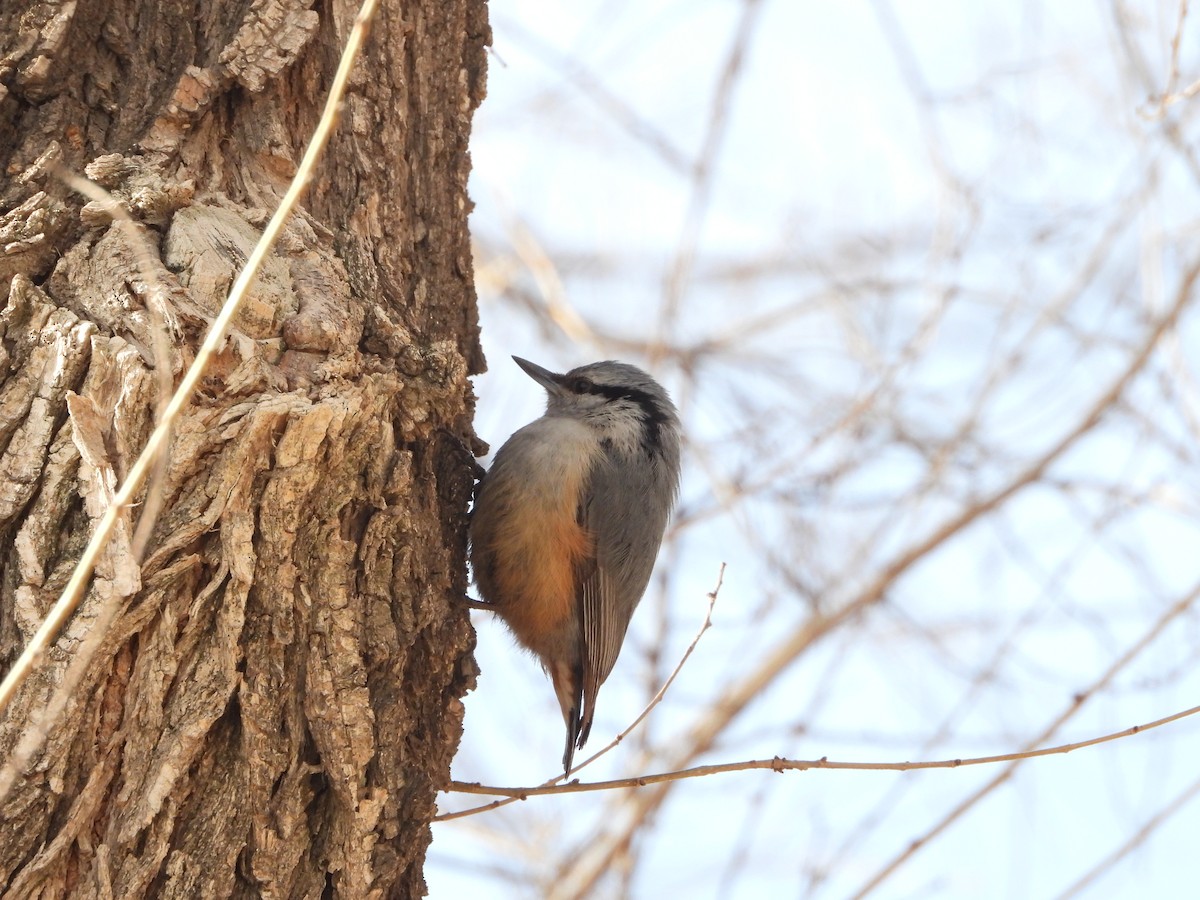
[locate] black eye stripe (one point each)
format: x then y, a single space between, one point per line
582 385
652 415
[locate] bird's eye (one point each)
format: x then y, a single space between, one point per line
581 385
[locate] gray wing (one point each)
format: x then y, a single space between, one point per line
625 508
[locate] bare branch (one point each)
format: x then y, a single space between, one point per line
779 764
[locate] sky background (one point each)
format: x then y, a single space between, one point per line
887 257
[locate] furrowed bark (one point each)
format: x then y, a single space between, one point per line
276 698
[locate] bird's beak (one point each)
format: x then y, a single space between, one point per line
544 377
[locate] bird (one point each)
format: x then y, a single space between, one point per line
568 522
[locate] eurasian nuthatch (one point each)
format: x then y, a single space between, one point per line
568 522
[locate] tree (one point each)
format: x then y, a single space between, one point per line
276 696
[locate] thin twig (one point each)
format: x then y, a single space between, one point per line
657 698
779 764
654 701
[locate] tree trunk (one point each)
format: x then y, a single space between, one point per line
277 698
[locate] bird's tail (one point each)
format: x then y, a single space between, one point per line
568 685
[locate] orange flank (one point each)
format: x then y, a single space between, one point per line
536 559
530 562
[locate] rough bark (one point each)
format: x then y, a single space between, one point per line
277 698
